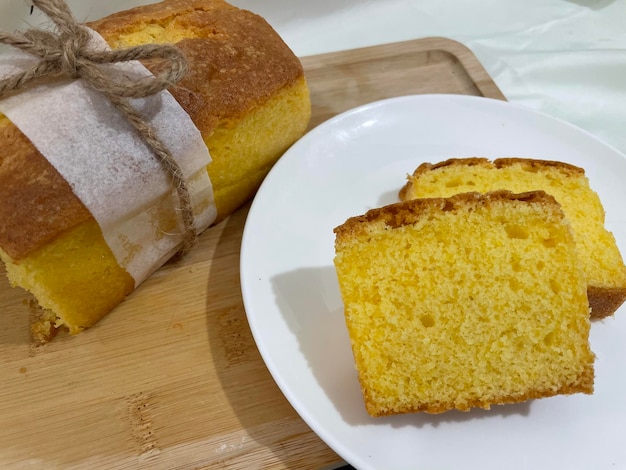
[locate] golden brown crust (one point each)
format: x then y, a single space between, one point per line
471 161
535 164
37 205
223 38
409 212
538 164
604 301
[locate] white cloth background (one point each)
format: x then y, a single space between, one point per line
566 58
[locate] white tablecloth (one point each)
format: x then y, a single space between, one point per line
566 58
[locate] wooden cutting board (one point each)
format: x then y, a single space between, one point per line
172 377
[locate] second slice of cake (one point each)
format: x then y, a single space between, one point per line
597 248
461 302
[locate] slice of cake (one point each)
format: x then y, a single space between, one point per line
597 249
461 302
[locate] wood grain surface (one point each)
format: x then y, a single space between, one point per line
172 377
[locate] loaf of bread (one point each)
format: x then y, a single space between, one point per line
597 249
461 302
245 91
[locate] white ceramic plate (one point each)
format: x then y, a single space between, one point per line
358 161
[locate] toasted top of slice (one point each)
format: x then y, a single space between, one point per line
528 164
419 210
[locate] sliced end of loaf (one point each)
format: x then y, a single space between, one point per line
461 302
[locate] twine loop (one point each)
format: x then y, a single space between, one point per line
67 54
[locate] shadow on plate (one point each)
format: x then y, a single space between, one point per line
390 197
310 302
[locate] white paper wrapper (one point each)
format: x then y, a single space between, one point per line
109 167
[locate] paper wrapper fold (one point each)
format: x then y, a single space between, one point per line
109 167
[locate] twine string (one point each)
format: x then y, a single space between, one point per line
67 54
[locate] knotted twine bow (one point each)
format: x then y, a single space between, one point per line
67 55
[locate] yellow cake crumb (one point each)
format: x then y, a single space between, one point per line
461 302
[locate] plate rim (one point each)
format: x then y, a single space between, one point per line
297 404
